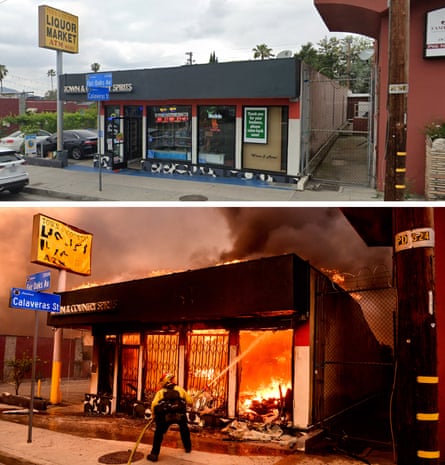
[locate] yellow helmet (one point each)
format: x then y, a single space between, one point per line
167 378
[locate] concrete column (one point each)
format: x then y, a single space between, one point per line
302 377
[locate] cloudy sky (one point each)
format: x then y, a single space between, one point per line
137 242
147 34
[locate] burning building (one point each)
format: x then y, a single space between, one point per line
272 337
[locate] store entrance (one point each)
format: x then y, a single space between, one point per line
132 141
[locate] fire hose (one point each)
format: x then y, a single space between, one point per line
145 428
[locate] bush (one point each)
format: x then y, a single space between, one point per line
435 130
30 123
20 368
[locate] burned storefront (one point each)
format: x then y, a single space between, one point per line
247 339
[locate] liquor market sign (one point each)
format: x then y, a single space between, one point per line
58 30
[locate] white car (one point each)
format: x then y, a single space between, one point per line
16 140
13 175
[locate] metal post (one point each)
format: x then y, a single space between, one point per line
33 373
99 152
59 102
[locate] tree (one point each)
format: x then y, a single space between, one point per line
20 368
262 51
3 73
213 58
340 59
51 74
50 95
95 67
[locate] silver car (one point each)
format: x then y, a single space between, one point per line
16 140
13 175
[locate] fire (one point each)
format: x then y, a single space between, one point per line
274 391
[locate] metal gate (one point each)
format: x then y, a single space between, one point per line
354 359
208 358
337 133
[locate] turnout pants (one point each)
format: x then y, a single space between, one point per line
161 428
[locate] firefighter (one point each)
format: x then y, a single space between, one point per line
169 407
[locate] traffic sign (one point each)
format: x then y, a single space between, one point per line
39 281
98 93
99 80
30 300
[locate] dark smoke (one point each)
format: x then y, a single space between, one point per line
320 235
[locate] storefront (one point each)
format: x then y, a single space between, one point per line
243 336
225 119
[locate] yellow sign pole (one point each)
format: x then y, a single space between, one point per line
55 396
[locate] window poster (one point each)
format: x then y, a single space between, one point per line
255 125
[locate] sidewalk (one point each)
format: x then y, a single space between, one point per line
62 435
82 182
48 447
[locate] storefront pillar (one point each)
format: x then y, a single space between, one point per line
302 377
181 358
239 140
194 137
233 373
293 148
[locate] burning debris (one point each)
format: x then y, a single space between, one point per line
263 432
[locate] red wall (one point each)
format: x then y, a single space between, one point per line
426 97
439 224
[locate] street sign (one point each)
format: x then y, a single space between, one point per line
98 93
99 80
39 281
30 300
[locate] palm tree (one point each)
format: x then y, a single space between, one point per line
3 73
262 51
51 74
95 67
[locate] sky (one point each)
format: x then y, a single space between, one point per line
138 242
139 34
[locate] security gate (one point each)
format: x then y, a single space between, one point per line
337 133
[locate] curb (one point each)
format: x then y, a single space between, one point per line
60 195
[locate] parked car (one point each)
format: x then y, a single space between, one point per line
16 140
78 142
13 175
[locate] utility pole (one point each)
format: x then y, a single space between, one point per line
190 58
399 23
416 388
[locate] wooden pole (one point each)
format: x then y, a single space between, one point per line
416 395
399 20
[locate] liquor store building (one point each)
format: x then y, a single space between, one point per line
266 328
224 119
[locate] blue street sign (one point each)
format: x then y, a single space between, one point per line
98 93
30 300
99 80
39 281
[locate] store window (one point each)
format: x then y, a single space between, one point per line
169 132
217 135
265 138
